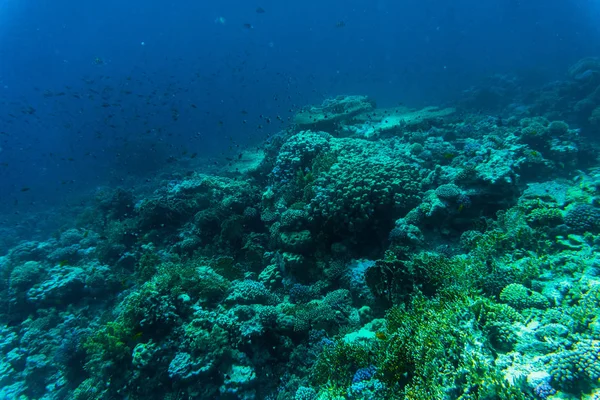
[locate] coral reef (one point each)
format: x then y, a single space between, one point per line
362 253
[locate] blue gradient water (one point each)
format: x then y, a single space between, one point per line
113 83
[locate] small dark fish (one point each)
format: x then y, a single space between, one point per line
260 10
86 234
25 189
193 106
240 156
194 155
248 26
340 24
63 263
244 112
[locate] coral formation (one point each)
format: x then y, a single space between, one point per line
361 253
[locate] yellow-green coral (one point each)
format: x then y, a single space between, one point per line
423 340
110 344
338 362
545 217
497 321
586 309
89 389
437 273
518 296
426 351
146 267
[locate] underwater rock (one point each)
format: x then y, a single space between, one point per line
584 67
332 111
24 276
270 276
406 234
239 382
142 356
296 242
183 367
550 191
30 251
248 162
393 121
66 285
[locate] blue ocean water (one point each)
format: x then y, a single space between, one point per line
414 52
111 111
